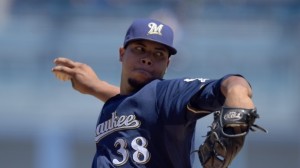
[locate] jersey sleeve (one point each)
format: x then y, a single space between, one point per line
183 99
209 97
172 97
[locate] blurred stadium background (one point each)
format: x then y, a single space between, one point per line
46 124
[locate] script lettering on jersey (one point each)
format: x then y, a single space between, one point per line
154 29
200 79
116 123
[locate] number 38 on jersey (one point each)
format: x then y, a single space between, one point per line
140 155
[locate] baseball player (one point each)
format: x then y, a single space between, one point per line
150 122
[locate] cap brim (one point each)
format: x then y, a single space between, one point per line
171 49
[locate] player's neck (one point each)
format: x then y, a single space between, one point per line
126 89
130 86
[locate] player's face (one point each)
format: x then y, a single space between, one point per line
142 62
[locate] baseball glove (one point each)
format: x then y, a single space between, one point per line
227 136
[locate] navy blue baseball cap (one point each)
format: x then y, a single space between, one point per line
153 30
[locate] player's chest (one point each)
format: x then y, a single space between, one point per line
127 118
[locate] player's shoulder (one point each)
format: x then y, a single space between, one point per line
184 80
179 83
115 100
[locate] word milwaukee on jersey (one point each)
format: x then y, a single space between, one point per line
116 123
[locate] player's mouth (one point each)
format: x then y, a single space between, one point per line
144 72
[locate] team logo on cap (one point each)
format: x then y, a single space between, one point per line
155 29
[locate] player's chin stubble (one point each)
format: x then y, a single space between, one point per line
137 85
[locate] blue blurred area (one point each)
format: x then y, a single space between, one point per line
46 124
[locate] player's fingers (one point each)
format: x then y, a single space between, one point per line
73 83
63 69
65 61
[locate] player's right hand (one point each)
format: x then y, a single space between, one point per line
84 79
82 76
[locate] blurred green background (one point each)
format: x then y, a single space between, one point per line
44 123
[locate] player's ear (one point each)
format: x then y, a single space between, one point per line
121 53
167 66
168 62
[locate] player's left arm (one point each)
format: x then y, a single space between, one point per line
237 92
231 124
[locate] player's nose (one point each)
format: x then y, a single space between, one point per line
146 61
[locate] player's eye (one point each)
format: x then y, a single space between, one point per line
138 50
160 55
